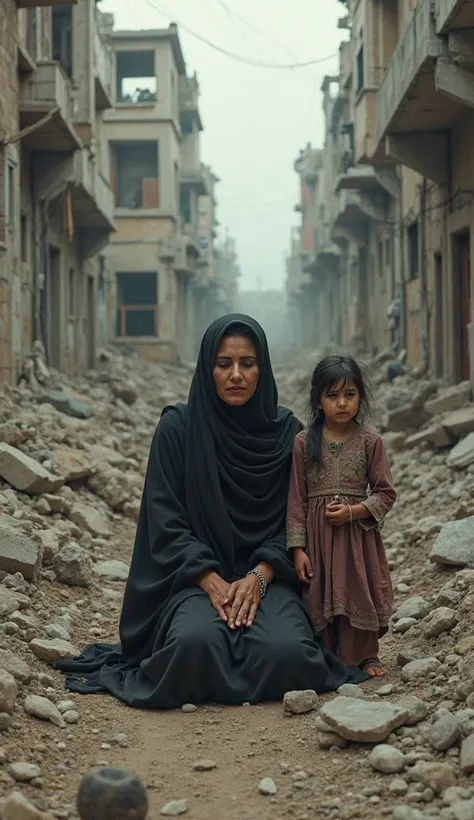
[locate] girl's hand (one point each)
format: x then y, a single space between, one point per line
303 567
243 600
337 514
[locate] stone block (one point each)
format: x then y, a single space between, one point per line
460 422
435 435
18 551
25 473
453 398
69 405
462 455
454 545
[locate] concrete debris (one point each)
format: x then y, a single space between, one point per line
70 405
363 721
19 552
25 473
298 703
64 520
462 455
454 545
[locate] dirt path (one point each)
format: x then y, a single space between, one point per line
246 743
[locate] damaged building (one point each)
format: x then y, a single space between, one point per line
56 204
390 206
107 213
161 259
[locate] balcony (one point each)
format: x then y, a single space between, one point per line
46 108
346 60
92 203
351 219
103 68
31 4
453 14
183 262
425 90
195 179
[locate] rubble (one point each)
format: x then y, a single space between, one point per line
454 545
25 473
67 593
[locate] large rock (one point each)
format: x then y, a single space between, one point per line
9 602
363 721
15 665
110 484
438 776
25 473
417 709
18 807
112 570
18 551
467 755
454 545
450 399
406 417
419 669
386 759
42 708
73 465
415 607
434 434
126 391
90 519
54 650
444 732
443 619
462 455
8 692
73 566
299 702
460 422
70 405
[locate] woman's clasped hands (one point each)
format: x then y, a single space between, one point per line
237 603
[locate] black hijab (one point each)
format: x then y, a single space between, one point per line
237 459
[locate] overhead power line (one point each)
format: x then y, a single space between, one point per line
238 57
235 16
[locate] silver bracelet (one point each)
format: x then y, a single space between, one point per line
261 580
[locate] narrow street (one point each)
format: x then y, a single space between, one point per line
76 600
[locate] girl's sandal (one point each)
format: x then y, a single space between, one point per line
372 662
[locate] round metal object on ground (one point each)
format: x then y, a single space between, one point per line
111 794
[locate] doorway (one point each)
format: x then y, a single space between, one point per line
53 308
439 315
90 339
462 317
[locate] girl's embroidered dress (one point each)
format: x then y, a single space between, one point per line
351 580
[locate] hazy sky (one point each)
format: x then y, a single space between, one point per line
255 119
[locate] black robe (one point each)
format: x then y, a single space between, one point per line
214 499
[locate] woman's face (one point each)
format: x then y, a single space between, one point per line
236 370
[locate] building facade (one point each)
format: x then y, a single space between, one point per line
160 261
56 205
399 126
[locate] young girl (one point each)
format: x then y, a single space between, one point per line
333 524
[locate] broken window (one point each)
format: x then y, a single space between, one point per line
413 251
24 238
10 197
135 174
31 32
136 77
185 204
137 304
62 37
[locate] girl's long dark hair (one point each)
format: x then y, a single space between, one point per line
326 375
